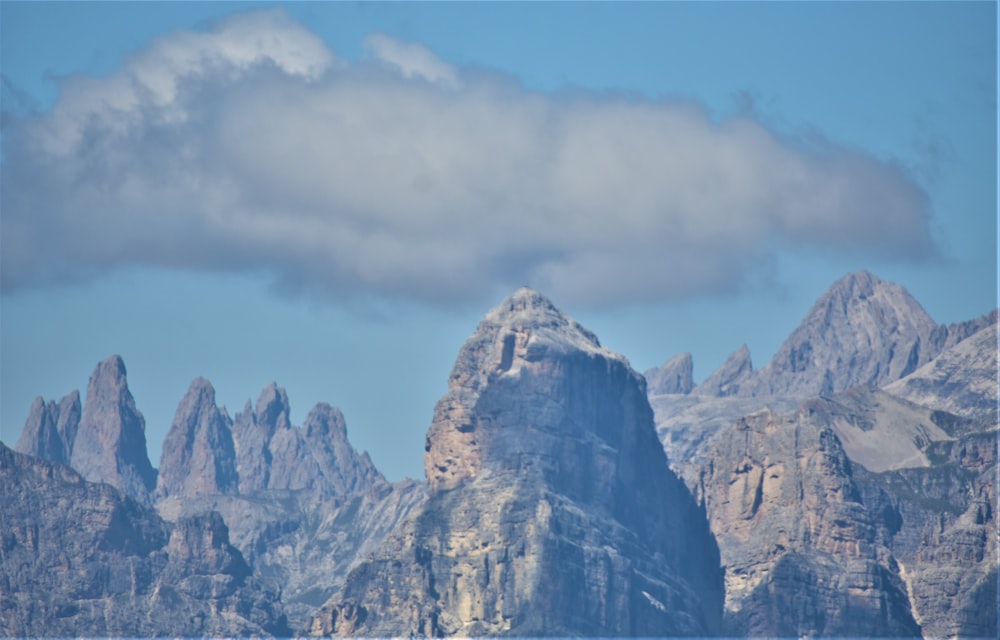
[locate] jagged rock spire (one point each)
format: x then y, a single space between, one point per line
110 445
198 454
50 430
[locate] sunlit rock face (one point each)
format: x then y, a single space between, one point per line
802 552
551 511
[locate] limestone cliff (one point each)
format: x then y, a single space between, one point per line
551 509
801 551
731 378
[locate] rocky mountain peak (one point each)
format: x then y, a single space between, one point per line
539 519
729 379
676 375
523 335
273 408
530 311
50 430
198 457
110 444
318 457
862 331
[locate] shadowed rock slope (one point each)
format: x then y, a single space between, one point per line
79 558
551 509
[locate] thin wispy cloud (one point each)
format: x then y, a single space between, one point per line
254 147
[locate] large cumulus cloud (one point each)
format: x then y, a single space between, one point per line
253 147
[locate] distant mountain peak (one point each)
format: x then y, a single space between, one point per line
675 376
729 379
273 408
110 444
861 331
198 457
50 430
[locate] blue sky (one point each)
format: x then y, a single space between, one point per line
330 195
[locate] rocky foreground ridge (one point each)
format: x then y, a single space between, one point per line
847 488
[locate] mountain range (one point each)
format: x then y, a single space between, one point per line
846 488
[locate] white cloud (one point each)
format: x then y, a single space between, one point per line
411 59
252 147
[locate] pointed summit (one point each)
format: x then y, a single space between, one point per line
273 408
50 430
318 457
198 454
728 379
252 433
110 444
862 331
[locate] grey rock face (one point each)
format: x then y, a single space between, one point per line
273 454
801 551
302 504
730 378
305 549
252 431
947 336
862 331
50 430
961 380
539 518
689 425
941 523
198 454
110 445
675 376
81 559
319 457
859 514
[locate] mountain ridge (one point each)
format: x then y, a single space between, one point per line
539 460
